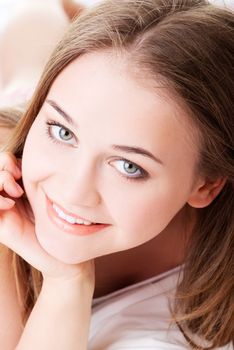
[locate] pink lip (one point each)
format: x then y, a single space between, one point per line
76 229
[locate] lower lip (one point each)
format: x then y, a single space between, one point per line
76 229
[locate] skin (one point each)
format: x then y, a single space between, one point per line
83 174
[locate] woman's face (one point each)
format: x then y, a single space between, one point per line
108 150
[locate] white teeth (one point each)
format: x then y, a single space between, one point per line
60 213
83 222
69 218
87 222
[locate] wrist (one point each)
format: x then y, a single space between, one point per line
80 277
69 287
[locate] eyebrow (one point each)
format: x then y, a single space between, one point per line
136 150
127 149
65 115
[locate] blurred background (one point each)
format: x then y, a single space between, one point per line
7 6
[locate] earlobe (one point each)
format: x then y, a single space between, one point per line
206 192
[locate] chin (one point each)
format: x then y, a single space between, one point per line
66 254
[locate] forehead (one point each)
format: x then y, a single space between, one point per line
101 94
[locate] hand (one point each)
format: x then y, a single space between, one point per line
17 229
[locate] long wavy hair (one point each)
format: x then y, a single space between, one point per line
190 45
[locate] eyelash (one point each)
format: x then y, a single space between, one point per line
51 123
144 175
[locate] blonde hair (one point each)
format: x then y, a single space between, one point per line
190 44
9 116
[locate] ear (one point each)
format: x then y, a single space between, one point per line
205 192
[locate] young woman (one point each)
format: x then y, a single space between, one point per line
121 234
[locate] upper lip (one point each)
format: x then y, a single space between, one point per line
69 213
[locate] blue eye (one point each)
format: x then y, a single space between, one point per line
58 132
130 170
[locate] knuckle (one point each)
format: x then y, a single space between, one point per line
5 176
7 160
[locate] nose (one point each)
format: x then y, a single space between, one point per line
80 186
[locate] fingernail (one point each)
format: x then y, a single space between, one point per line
19 188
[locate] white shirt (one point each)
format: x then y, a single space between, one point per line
137 317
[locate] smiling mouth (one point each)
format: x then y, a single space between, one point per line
70 224
69 218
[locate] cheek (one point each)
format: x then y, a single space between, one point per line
36 161
143 214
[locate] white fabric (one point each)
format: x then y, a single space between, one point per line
137 317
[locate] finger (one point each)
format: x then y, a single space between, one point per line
9 185
10 163
6 203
